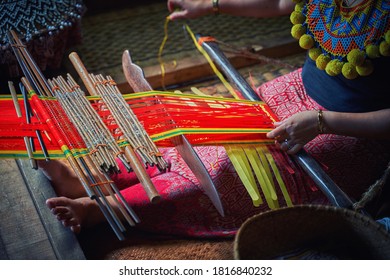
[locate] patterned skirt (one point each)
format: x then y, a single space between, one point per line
184 210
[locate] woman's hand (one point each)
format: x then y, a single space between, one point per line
293 133
181 9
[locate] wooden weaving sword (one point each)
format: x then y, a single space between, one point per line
335 195
136 79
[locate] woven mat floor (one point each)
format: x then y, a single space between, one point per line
100 243
140 29
256 75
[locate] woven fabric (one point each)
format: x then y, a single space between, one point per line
184 209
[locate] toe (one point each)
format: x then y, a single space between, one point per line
76 228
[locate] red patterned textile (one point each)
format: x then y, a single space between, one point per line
353 163
185 210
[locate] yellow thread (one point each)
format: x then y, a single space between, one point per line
278 176
264 179
216 71
262 157
215 164
197 91
242 167
160 51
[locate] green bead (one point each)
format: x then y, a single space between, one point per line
306 42
314 53
321 61
356 57
366 69
298 30
297 17
384 48
372 51
334 67
299 6
349 71
387 37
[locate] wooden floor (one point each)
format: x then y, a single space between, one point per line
28 230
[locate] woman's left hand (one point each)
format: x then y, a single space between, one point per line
293 133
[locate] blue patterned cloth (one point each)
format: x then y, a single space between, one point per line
339 94
385 222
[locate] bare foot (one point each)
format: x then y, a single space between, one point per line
62 178
75 213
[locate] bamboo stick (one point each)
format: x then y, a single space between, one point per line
33 73
27 143
79 167
135 164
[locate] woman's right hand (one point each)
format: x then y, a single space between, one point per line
181 9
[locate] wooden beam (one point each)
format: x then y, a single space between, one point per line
197 68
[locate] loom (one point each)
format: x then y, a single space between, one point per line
55 119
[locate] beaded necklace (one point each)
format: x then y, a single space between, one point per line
343 39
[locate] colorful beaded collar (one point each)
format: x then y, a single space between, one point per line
340 39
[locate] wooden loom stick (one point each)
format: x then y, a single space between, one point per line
80 112
128 121
134 161
83 106
135 77
122 121
27 142
78 164
110 140
117 110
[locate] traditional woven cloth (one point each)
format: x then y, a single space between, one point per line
185 210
